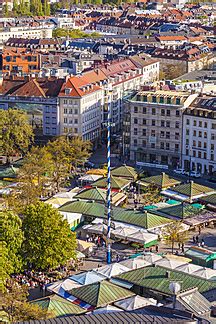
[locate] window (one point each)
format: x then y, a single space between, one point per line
194 133
200 134
76 111
176 147
187 152
200 123
177 124
152 145
187 131
188 122
65 120
194 153
161 100
205 134
194 143
199 144
65 110
212 146
153 122
168 112
153 111
144 121
177 113
168 100
144 132
145 99
47 130
144 110
187 141
162 134
162 145
167 134
135 142
135 121
178 101
153 133
199 154
75 121
136 109
154 99
205 125
135 131
212 157
75 130
168 124
212 137
213 126
205 145
144 143
167 146
65 102
194 123
162 123
162 112
177 136
205 155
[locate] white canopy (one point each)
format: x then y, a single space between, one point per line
87 278
142 237
96 228
111 270
107 309
188 268
150 257
135 263
169 263
205 273
135 302
123 232
60 287
90 177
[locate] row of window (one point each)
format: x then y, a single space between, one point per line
70 121
200 144
200 134
162 100
67 130
71 111
199 154
163 123
200 124
163 112
163 146
70 102
153 133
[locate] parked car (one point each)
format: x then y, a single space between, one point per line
194 174
179 171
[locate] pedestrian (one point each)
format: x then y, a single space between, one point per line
199 230
117 258
157 248
198 244
197 239
179 245
202 243
87 237
194 239
182 247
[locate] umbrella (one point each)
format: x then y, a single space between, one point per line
169 263
107 309
135 302
142 237
62 286
87 278
150 257
123 232
206 273
84 246
135 263
97 228
112 270
188 268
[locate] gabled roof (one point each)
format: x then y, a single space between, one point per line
124 171
211 199
30 88
58 306
162 181
194 302
101 293
156 279
78 86
177 211
96 194
116 183
88 277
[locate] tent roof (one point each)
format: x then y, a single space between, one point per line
124 171
107 309
189 268
142 237
58 306
87 278
211 199
169 263
135 263
90 177
162 181
150 257
177 211
192 189
134 302
112 270
59 287
200 253
101 293
116 183
96 194
206 273
155 278
101 172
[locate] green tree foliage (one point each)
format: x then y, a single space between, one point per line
15 306
6 10
49 241
46 8
36 8
12 238
174 233
16 134
5 266
73 33
79 151
172 71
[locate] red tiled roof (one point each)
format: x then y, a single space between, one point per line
30 88
171 38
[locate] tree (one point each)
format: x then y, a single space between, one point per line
15 7
5 267
48 240
14 304
12 238
46 8
174 233
172 71
16 134
34 174
6 10
152 196
79 151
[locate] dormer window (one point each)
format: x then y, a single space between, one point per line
67 91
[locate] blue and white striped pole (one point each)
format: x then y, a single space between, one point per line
108 185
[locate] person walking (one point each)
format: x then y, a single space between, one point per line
202 243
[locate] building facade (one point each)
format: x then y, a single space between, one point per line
199 136
153 126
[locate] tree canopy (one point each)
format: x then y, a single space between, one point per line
48 241
73 33
174 233
16 132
